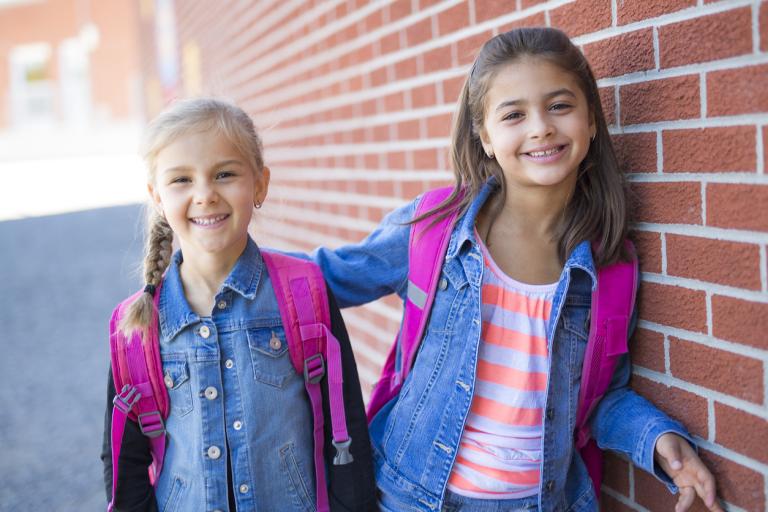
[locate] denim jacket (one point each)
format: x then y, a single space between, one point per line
416 436
238 404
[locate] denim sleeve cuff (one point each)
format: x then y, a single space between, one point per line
647 448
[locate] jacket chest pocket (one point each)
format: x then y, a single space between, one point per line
269 352
176 379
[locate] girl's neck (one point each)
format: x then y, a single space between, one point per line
535 211
202 276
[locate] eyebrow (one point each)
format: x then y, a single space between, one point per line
223 163
549 95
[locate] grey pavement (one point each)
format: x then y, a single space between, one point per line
60 277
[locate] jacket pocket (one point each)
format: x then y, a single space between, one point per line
176 379
269 352
174 496
296 479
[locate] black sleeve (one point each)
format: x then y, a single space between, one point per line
351 487
135 493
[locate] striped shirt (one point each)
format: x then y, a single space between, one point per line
500 451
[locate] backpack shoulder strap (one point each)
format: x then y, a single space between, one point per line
612 302
140 391
427 246
303 302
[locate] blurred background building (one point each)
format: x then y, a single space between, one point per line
354 101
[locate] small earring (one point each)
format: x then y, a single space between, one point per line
257 204
489 155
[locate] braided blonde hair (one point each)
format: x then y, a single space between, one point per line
183 117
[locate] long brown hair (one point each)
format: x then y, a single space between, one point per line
597 209
181 118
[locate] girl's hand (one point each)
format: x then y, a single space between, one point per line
680 462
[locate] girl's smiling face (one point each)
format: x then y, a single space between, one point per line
537 124
206 191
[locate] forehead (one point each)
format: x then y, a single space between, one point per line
529 79
197 148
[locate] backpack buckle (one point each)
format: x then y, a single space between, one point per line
151 424
314 368
127 398
342 452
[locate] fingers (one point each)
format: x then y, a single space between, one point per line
668 448
684 502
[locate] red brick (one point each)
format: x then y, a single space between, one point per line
394 102
616 473
453 19
715 261
674 306
425 159
396 160
740 320
717 369
737 91
390 43
763 20
406 68
439 126
419 32
648 245
379 76
687 407
647 349
731 426
398 9
452 89
717 36
737 484
438 59
488 9
608 102
525 4
727 149
469 47
655 496
408 130
423 96
535 20
636 152
737 206
660 100
609 504
573 18
666 203
630 11
765 145
621 54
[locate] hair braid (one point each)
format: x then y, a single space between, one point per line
157 257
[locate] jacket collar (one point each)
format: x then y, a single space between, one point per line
174 310
464 234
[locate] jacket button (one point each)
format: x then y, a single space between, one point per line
214 452
443 283
204 331
237 425
550 485
168 380
243 489
229 363
211 393
275 343
222 304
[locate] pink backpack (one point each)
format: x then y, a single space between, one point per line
612 303
303 302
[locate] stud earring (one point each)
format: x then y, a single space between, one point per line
257 204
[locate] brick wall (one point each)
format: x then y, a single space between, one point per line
354 100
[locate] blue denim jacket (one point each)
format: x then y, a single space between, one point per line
416 436
234 395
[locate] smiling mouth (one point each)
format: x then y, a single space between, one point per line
208 221
545 153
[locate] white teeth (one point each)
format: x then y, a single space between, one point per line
541 154
208 220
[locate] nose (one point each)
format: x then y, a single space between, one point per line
205 193
540 125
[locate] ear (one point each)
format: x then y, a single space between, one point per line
153 194
592 126
486 142
261 185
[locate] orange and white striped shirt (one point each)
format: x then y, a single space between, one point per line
500 451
